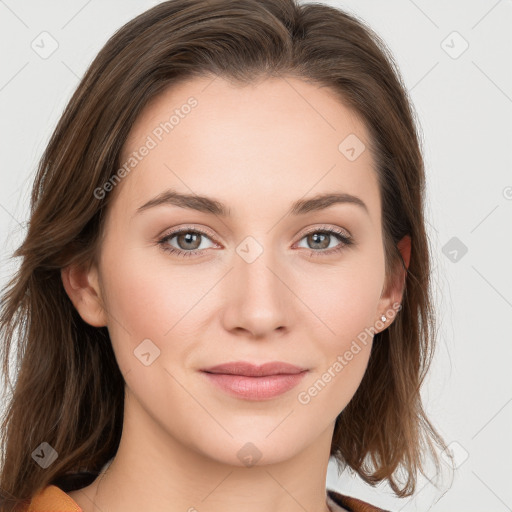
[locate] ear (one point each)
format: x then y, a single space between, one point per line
82 286
404 246
393 295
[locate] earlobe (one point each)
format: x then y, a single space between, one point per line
82 286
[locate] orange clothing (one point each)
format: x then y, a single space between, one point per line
54 499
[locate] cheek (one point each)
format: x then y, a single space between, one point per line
346 301
346 304
152 298
144 301
346 298
146 289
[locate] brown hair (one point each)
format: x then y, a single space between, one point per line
69 390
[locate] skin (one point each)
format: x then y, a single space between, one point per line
257 149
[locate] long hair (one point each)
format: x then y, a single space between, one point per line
69 391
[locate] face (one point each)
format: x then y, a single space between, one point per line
252 276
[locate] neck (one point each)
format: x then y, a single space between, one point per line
152 470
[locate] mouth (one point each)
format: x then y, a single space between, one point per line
251 382
247 369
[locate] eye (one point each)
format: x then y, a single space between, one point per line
189 242
319 241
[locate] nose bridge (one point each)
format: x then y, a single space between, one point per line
258 297
256 264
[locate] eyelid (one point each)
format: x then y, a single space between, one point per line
188 227
326 227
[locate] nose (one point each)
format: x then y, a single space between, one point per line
257 298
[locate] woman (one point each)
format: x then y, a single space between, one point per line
225 279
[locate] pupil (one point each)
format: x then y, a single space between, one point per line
189 238
316 236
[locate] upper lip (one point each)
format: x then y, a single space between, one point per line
253 370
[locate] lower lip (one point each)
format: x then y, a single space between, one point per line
255 388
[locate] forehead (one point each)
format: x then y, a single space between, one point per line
280 137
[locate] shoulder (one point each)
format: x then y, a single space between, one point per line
52 499
350 504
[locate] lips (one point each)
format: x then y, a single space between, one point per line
251 370
248 381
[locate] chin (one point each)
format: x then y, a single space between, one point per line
246 451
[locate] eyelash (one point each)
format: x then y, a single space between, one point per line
346 241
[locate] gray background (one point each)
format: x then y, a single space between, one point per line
463 98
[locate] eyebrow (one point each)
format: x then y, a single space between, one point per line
210 205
